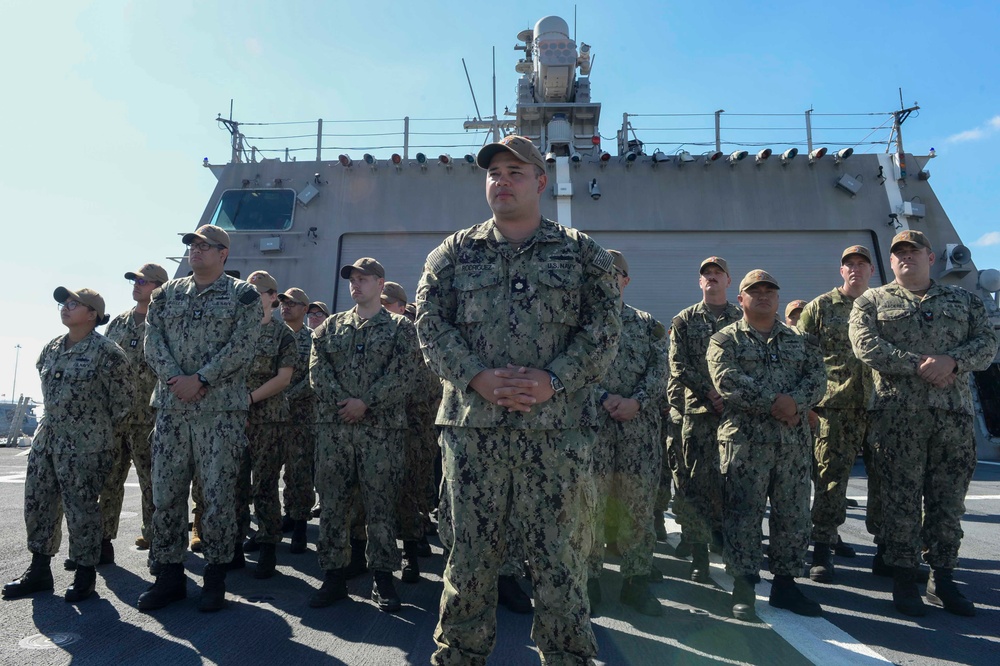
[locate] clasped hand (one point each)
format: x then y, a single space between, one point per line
515 387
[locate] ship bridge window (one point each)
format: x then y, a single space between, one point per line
255 210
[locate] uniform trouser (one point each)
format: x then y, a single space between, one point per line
626 463
873 508
663 488
513 558
674 462
539 481
758 471
196 445
703 485
71 481
416 469
260 470
371 459
132 447
839 438
926 459
300 452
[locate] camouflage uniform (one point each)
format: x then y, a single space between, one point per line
372 360
299 435
699 459
843 421
420 446
260 470
925 450
211 333
628 456
133 432
86 389
673 459
551 303
760 456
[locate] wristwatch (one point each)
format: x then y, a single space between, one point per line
557 385
201 378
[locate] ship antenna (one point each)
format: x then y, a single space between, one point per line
496 121
474 102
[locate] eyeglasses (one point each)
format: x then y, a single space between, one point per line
296 304
205 247
316 313
72 305
140 282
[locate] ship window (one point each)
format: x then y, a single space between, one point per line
255 210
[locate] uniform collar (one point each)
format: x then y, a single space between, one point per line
381 317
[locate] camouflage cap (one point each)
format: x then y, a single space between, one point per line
520 147
209 233
793 306
620 263
366 265
262 281
393 291
916 238
859 250
319 305
757 276
149 272
84 296
294 295
717 261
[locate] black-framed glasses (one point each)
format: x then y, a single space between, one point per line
202 246
72 305
139 282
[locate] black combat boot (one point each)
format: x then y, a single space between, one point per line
942 591
635 593
287 524
334 588
107 552
384 592
424 547
153 566
594 594
683 549
659 526
905 595
250 545
170 586
786 594
213 589
841 549
411 567
83 584
821 570
267 560
358 564
744 599
36 578
699 563
239 561
654 575
511 596
298 543
69 564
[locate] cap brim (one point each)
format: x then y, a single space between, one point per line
189 238
760 282
61 294
132 276
487 152
712 263
906 242
345 271
856 254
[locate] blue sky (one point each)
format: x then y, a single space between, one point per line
109 107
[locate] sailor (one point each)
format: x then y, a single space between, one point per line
922 339
362 361
274 359
316 314
299 494
673 460
200 335
132 433
86 384
689 335
842 420
628 455
520 317
793 311
769 375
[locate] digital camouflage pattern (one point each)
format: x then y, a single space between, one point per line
925 445
628 455
843 421
299 435
762 457
275 348
418 493
373 360
212 333
132 434
550 303
698 455
85 390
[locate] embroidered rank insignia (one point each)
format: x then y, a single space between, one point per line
519 285
774 358
133 343
196 315
359 348
927 315
57 374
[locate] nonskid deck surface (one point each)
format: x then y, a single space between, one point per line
270 621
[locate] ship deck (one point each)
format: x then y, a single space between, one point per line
270 621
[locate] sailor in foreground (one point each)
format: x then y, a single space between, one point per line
200 334
769 375
86 386
628 455
520 317
362 363
922 339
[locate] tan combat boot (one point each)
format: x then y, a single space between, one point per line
196 534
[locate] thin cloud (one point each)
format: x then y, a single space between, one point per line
991 126
988 239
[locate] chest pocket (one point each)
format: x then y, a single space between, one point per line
477 293
559 295
751 359
218 320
